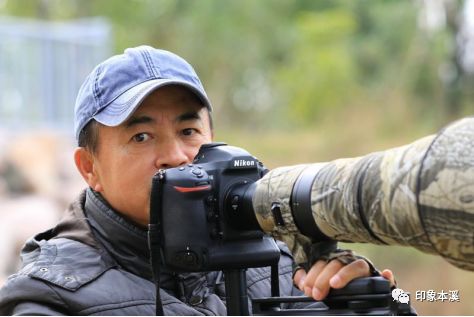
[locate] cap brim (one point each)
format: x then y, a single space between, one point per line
119 110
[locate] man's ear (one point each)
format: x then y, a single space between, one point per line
85 165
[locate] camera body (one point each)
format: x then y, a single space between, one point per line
205 215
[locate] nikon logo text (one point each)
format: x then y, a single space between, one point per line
243 163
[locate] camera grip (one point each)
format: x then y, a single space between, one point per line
184 192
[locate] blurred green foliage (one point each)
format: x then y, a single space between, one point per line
287 64
302 81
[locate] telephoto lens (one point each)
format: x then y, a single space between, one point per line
418 195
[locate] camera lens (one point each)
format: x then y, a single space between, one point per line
239 211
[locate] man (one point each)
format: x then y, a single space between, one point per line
136 113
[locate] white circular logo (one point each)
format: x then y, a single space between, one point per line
400 296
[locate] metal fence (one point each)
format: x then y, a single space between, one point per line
42 65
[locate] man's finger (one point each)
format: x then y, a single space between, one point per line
312 275
358 268
299 278
321 284
388 274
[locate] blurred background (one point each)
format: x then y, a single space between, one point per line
291 81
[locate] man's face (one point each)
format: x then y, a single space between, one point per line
166 131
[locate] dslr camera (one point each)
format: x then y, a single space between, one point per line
205 213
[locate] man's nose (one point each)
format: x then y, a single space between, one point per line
171 154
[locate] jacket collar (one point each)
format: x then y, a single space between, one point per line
126 242
74 224
91 220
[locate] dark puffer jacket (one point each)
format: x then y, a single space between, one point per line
94 262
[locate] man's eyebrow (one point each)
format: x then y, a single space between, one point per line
138 120
187 116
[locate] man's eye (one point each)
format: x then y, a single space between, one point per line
141 137
189 131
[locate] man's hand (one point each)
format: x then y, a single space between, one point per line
322 276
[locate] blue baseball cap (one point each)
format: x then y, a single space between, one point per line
117 86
